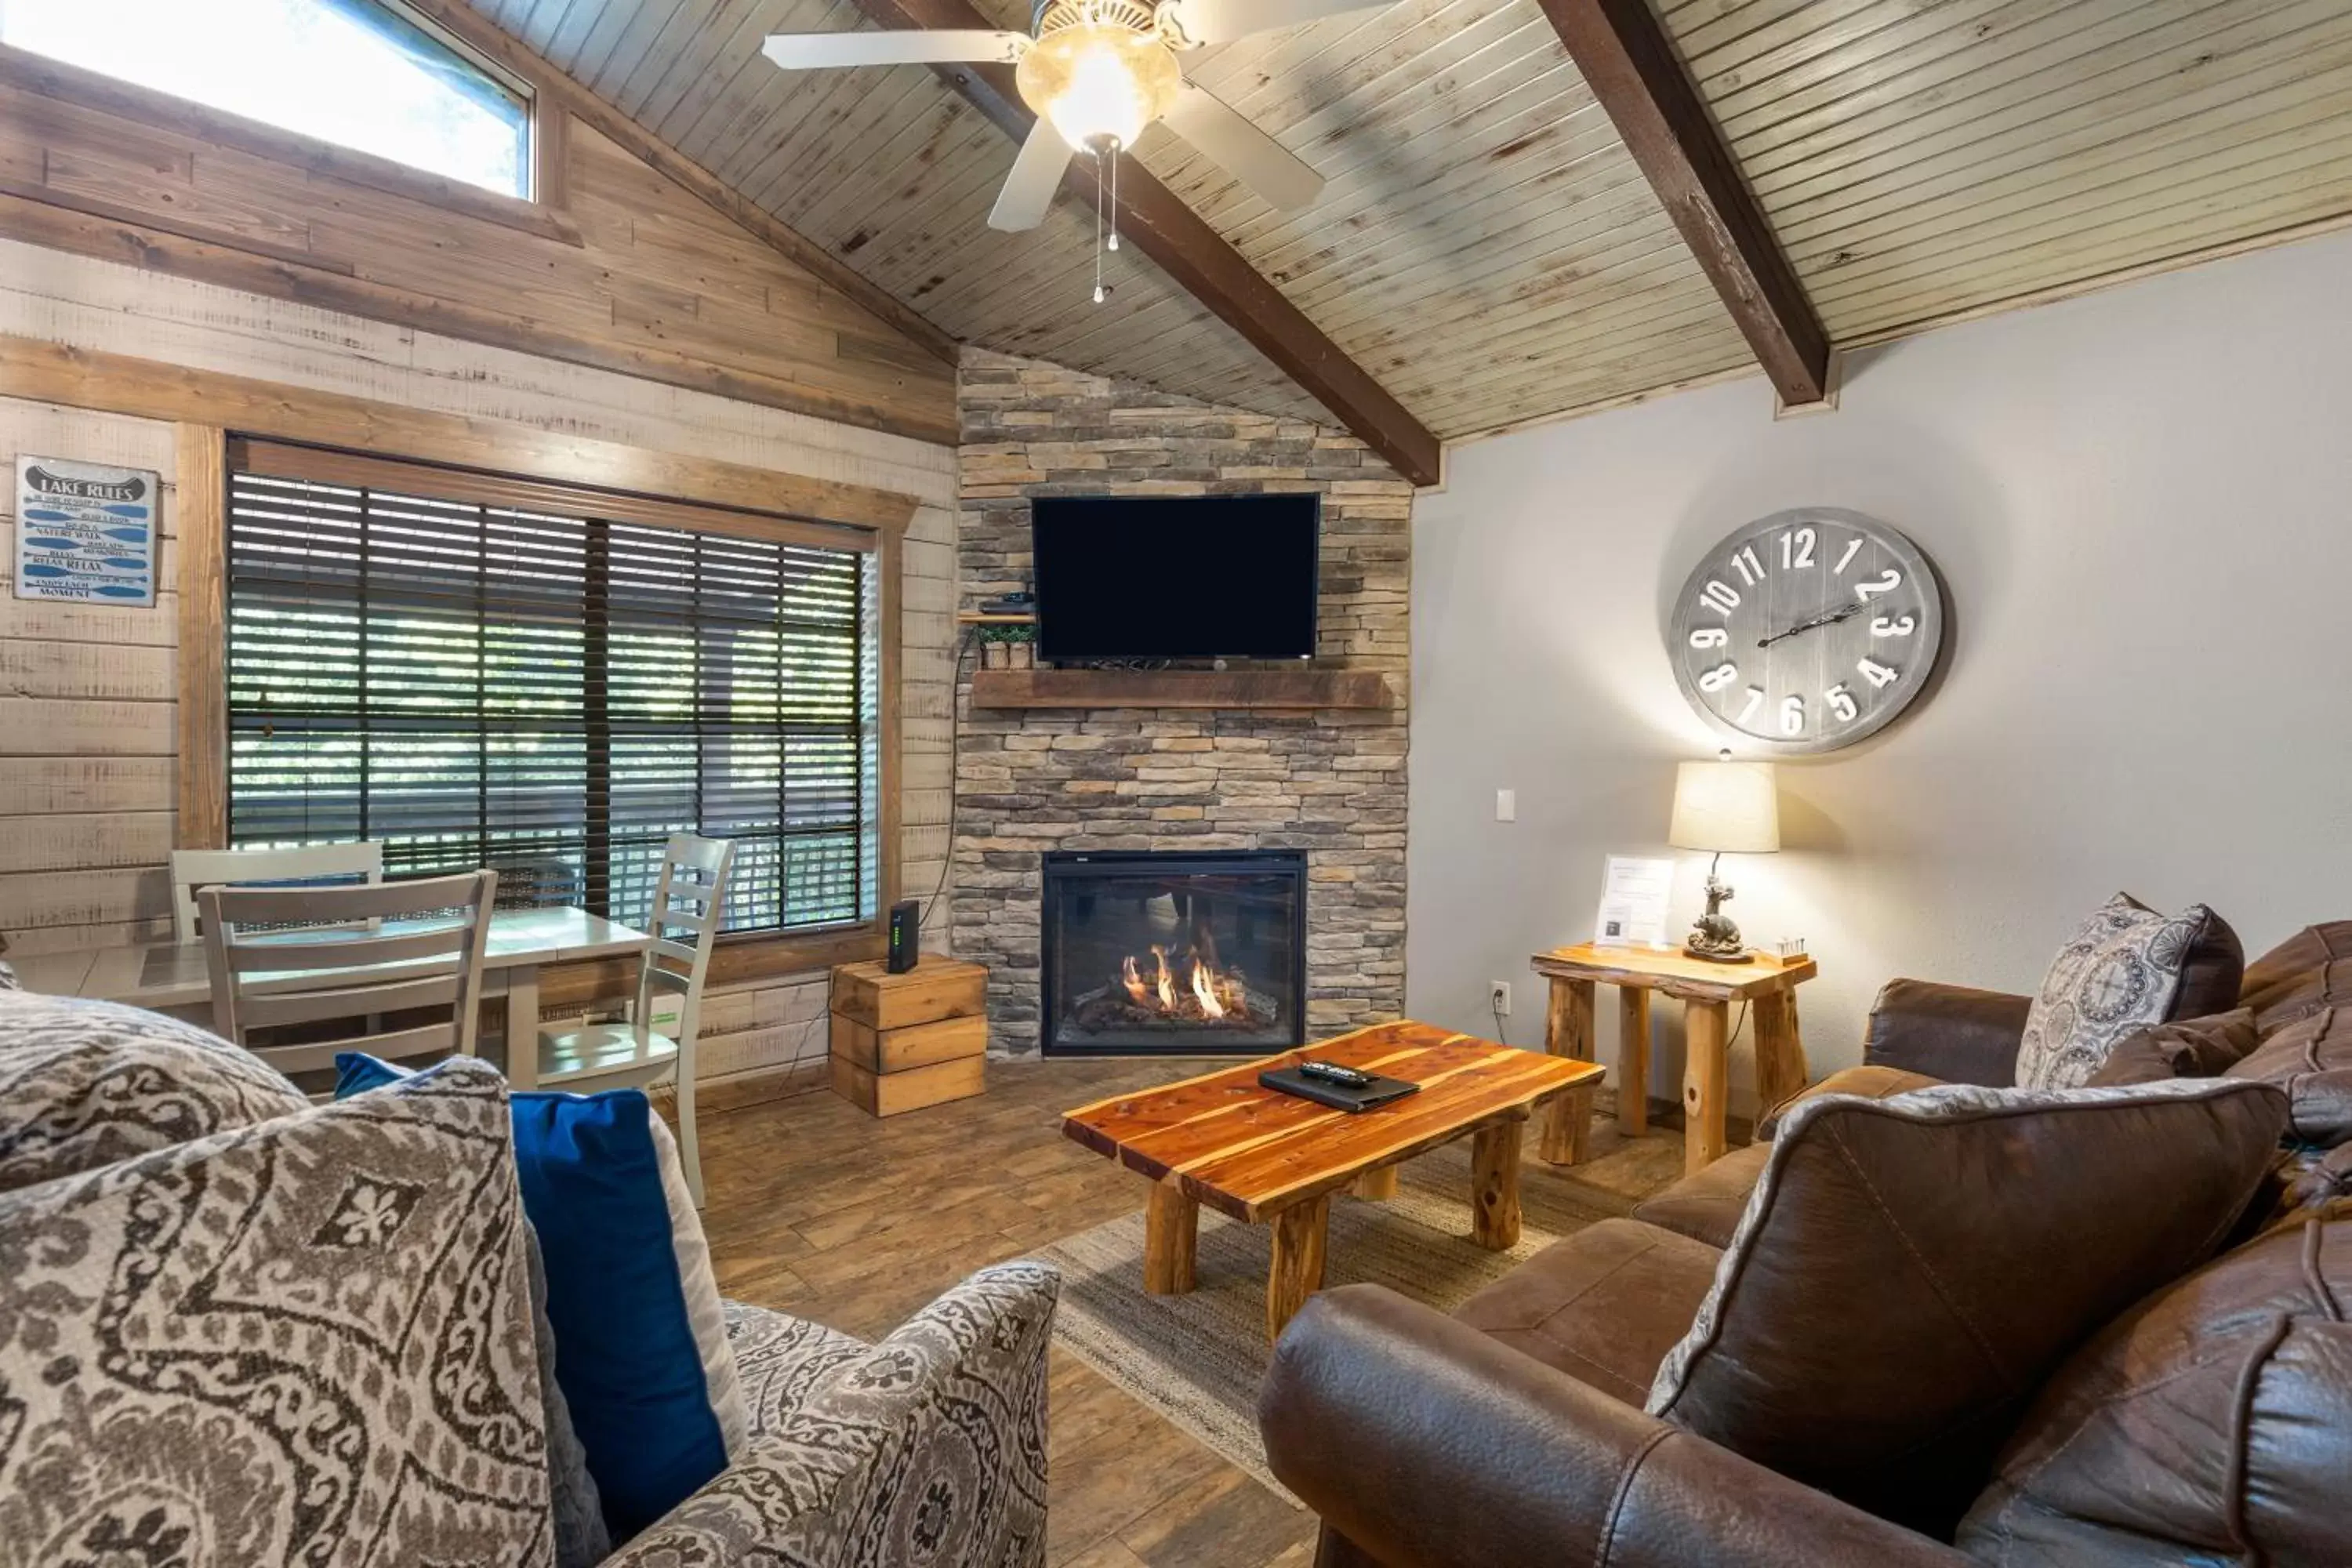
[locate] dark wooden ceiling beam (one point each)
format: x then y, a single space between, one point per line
1156 221
1626 58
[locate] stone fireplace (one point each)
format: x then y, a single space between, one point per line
1174 954
1035 786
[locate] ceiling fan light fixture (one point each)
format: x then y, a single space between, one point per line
1099 85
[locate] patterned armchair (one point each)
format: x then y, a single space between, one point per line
237 1329
928 1447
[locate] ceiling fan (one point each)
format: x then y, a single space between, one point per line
1098 72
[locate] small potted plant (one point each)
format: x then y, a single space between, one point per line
996 647
1021 646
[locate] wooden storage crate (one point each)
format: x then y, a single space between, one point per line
900 1042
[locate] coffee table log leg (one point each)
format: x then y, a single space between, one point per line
1299 1237
1494 1185
1171 1234
1568 1032
1379 1185
1707 1076
1633 1060
1779 1051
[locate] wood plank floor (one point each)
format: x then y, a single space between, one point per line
817 1209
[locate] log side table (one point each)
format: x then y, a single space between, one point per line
1706 991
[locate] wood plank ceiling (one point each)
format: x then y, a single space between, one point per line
1485 247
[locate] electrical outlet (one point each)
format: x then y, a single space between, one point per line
1499 997
1506 805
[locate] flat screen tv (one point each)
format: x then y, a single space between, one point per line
1176 577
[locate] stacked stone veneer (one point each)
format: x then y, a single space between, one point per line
1331 783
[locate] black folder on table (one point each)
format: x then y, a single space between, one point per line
1338 1096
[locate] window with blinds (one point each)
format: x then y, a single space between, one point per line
480 671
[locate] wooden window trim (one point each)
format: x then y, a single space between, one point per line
116 384
329 466
46 77
550 157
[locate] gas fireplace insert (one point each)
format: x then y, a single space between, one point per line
1178 953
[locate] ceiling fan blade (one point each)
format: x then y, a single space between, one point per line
897 47
1249 154
1037 175
1221 21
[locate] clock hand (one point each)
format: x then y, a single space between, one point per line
1830 619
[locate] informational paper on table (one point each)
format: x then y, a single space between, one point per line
86 532
1633 901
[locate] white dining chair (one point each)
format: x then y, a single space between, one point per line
322 957
194 869
690 896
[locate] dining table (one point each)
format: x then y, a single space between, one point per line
171 977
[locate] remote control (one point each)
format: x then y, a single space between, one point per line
1332 1072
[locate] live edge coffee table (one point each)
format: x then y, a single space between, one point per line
1264 1157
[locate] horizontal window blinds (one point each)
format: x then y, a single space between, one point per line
487 673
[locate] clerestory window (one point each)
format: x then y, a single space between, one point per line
358 73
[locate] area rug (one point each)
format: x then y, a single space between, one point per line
1198 1358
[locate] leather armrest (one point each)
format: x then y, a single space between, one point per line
1948 1032
1428 1445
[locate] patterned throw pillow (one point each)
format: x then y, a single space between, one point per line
307 1340
86 1084
2124 969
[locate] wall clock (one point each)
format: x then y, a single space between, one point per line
1809 630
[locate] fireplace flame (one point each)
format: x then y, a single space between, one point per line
1204 991
1180 986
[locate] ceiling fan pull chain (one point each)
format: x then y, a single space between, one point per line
1099 229
1114 195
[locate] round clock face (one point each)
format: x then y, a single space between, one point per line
1809 630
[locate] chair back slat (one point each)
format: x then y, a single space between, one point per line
426 1039
277 980
264 954
286 1005
196 869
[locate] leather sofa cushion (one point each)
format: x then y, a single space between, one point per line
1603 1305
2195 1048
1955 1033
1869 1081
1909 1270
1706 1205
2213 1423
2310 969
2310 1059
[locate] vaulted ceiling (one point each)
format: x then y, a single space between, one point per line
1486 247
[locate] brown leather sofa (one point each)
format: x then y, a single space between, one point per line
2211 1423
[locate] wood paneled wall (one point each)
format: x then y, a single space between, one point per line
87 693
631 273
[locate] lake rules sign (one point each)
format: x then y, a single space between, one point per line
86 530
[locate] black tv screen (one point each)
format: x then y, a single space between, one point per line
1176 577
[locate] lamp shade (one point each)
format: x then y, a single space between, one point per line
1726 806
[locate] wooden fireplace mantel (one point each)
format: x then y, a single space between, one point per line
1301 688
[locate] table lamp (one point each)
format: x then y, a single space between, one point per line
1725 807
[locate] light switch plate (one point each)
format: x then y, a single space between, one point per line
1506 805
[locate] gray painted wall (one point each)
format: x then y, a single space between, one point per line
2141 501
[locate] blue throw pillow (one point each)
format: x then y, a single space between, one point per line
641 1349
